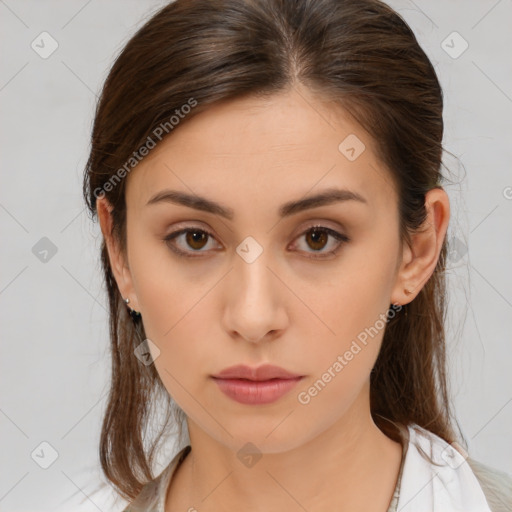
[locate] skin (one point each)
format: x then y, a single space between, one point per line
210 312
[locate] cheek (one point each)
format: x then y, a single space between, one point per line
353 303
185 355
176 319
340 363
164 288
352 312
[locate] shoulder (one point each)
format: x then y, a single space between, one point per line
452 477
497 486
152 496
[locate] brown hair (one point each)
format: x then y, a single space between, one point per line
358 53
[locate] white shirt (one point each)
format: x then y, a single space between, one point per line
447 483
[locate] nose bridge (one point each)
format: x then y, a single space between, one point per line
251 270
252 308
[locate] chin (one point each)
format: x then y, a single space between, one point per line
263 437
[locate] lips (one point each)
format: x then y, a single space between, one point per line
261 373
256 386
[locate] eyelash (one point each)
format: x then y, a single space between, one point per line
337 236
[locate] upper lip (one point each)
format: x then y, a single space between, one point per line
263 372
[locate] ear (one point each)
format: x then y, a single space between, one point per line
419 261
118 262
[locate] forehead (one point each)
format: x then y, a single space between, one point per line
264 149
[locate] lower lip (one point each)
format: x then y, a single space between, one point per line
256 392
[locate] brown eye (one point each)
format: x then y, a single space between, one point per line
192 240
317 238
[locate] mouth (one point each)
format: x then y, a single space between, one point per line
256 385
262 373
256 392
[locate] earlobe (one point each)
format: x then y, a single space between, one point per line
118 264
420 260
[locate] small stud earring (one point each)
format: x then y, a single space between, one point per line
134 314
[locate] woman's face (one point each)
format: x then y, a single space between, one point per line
259 285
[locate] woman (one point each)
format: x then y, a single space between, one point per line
266 175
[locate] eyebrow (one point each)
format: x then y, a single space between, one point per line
326 197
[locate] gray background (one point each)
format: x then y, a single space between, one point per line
54 366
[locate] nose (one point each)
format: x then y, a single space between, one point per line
254 308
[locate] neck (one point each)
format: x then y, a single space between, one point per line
350 466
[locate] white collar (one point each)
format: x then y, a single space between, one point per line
450 487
